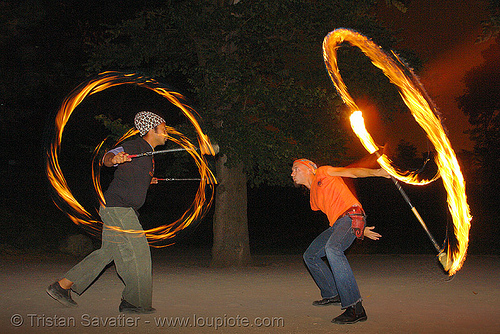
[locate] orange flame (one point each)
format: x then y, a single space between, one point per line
425 114
358 126
77 212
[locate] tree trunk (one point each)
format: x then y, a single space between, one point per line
231 247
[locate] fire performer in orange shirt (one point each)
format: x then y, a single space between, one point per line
329 193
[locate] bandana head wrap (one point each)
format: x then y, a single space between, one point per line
146 120
308 163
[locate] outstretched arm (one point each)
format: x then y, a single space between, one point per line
357 172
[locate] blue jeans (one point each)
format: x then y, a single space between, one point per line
337 279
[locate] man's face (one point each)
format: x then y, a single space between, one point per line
300 174
161 134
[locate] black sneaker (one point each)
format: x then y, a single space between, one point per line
126 307
327 301
63 296
351 315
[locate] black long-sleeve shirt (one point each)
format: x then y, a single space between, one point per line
131 179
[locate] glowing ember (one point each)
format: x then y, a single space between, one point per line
75 210
425 114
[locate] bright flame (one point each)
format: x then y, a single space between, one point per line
82 217
358 126
425 114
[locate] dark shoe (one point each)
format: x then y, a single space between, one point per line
63 296
351 315
126 307
327 301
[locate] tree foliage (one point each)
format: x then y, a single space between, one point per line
402 6
481 104
254 71
491 26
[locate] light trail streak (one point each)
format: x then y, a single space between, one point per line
76 212
426 115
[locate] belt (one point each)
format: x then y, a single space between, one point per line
354 210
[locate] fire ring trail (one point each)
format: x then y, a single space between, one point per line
76 212
426 115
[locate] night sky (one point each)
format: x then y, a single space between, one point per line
443 34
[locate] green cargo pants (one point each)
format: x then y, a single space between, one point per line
130 253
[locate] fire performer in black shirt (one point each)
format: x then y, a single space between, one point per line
123 240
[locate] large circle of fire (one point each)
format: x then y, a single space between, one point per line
76 212
425 114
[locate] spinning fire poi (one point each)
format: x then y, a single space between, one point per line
76 212
426 115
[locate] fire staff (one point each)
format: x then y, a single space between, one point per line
330 194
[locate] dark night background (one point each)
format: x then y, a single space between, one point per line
43 53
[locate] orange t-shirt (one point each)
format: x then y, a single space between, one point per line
331 195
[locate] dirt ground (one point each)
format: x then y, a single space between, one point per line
402 294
